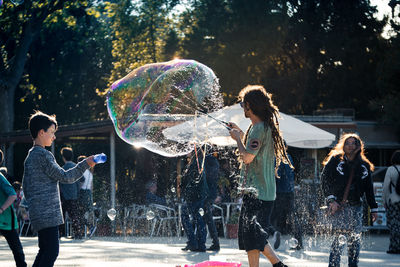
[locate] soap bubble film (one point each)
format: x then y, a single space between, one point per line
158 96
111 213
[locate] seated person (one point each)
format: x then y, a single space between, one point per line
151 197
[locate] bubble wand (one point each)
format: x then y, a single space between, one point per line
197 108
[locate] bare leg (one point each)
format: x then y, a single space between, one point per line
270 254
253 257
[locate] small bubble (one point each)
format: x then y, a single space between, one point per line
201 211
150 215
173 189
111 213
293 243
342 239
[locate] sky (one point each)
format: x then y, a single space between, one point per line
384 9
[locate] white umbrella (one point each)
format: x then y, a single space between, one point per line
205 129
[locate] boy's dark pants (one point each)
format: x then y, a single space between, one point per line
48 247
15 245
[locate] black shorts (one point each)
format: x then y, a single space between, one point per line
254 223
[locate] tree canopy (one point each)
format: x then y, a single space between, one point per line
59 56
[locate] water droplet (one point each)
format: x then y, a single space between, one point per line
342 239
173 189
293 243
201 211
150 215
111 213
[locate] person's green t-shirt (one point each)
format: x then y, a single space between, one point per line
8 214
260 173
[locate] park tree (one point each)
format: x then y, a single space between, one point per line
50 61
240 40
385 106
311 54
68 65
341 45
142 30
35 37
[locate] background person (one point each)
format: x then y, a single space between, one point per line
8 219
284 217
69 195
391 199
211 167
258 149
85 195
346 177
194 191
151 196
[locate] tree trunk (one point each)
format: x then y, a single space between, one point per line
7 125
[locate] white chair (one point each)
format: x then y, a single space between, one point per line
22 223
136 214
165 217
68 225
219 216
23 214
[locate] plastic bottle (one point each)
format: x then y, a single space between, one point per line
100 158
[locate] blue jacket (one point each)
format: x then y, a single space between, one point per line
69 191
285 184
194 185
211 166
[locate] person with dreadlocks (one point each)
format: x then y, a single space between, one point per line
258 149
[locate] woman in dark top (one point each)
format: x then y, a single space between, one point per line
346 177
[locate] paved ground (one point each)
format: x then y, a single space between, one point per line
165 251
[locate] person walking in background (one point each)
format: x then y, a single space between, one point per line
258 149
391 199
151 196
8 219
85 195
69 195
284 214
20 194
40 182
346 177
211 167
194 192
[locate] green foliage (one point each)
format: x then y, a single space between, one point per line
141 30
305 52
234 216
386 107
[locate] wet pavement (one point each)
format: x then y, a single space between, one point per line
166 251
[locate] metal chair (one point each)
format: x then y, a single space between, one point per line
165 217
68 225
23 214
22 223
219 216
135 214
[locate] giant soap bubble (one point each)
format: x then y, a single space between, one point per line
158 96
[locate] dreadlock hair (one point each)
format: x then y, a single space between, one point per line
338 149
260 103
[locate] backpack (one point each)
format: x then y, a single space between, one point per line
397 186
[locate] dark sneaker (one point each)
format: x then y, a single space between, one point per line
214 247
277 239
279 264
189 248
